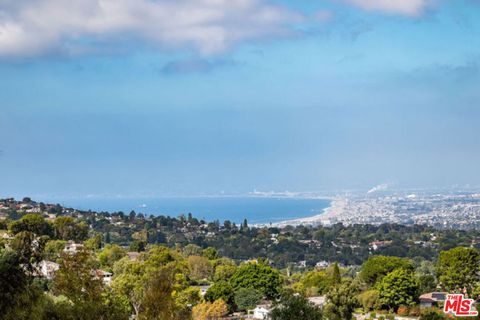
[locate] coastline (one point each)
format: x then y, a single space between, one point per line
328 216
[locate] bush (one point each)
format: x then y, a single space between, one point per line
414 312
403 311
369 300
431 314
390 317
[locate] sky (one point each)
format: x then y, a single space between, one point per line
130 98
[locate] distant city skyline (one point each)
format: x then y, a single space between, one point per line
199 97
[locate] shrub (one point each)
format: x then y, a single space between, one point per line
414 312
403 311
431 314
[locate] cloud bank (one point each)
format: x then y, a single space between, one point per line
402 7
35 27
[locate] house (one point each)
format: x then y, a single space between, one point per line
318 301
105 276
262 311
380 244
46 269
322 264
431 299
72 247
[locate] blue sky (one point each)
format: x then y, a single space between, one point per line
142 97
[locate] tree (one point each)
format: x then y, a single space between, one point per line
53 249
258 276
75 280
192 250
336 277
317 281
13 281
66 228
370 300
376 267
94 243
397 288
200 268
247 298
110 254
158 276
224 272
33 223
210 253
210 310
341 302
458 269
293 307
221 290
425 274
137 246
29 249
160 287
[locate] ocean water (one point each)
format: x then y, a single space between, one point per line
235 209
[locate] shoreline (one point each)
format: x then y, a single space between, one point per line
327 217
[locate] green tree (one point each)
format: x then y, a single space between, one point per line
53 249
370 300
224 272
341 301
247 298
13 281
294 307
158 276
200 267
138 246
33 223
210 253
29 249
376 267
336 277
317 282
160 287
94 243
221 290
192 250
258 276
397 288
110 254
458 269
66 228
75 280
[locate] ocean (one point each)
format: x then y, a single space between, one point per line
254 209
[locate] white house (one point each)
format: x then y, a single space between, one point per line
47 269
72 247
322 264
105 276
318 301
261 311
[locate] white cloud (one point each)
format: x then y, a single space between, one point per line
402 7
33 27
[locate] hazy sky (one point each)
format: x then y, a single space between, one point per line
184 97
